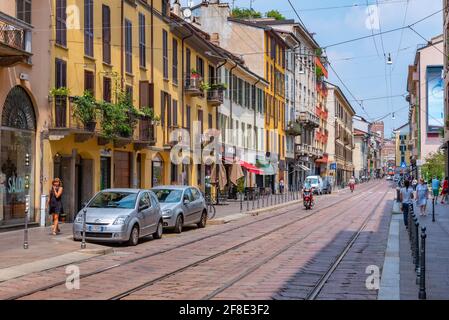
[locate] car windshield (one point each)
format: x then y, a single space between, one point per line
113 199
168 196
312 180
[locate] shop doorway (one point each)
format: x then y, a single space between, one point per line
17 157
122 169
78 185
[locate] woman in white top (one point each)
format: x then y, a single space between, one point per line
406 200
422 194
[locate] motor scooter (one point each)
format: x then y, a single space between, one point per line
307 197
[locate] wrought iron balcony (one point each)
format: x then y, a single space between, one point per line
215 97
15 41
193 86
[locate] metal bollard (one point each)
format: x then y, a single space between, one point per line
83 240
414 237
258 200
25 231
253 200
247 201
433 209
422 276
241 201
271 197
416 248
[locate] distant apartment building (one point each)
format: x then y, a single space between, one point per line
403 148
340 124
426 98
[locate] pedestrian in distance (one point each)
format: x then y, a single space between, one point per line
406 200
445 191
55 204
414 184
281 186
435 188
422 194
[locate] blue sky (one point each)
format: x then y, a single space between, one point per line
360 65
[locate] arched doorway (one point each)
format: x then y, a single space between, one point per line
17 156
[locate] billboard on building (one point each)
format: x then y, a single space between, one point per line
435 99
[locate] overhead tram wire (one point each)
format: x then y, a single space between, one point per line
350 92
372 32
384 32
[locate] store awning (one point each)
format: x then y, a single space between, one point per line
251 168
266 168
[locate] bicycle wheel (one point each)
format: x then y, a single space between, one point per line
211 211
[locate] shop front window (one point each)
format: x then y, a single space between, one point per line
17 140
157 172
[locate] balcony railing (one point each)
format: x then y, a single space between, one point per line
193 86
64 124
15 40
215 97
309 119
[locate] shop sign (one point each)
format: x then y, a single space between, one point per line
16 185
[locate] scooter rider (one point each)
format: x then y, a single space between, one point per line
352 183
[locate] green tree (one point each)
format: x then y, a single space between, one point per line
434 166
275 14
244 13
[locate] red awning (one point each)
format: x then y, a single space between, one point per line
324 159
248 166
251 168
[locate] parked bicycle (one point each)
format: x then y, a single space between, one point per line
210 202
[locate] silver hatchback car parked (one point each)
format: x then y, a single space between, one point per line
181 205
120 215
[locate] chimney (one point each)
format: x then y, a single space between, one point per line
215 38
177 8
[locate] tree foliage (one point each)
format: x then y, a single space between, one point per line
275 14
245 13
434 166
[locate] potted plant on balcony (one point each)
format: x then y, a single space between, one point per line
85 110
59 92
205 86
194 74
218 86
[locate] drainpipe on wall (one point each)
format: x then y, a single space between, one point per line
183 83
122 15
152 44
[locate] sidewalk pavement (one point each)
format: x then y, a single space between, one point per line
45 251
399 277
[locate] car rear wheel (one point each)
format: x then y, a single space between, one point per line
203 221
159 231
179 223
134 236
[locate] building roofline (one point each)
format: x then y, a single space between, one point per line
334 86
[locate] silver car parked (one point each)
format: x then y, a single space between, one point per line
181 205
120 215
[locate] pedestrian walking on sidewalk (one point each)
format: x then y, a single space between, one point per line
406 200
436 188
55 204
422 194
281 186
445 191
414 184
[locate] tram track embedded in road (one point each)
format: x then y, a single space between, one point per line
233 248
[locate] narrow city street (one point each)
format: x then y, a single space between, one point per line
290 253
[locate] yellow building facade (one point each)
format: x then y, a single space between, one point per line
156 61
274 60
